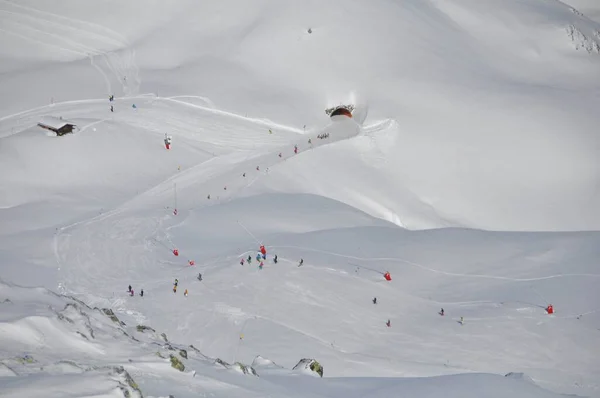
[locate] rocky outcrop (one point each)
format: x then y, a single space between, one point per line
310 364
142 328
108 312
176 363
128 380
247 370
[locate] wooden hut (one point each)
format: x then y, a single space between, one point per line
57 125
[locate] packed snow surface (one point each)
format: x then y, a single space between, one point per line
470 171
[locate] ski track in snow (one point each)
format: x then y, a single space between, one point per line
119 65
440 143
396 259
63 286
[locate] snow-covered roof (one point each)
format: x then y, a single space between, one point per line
53 122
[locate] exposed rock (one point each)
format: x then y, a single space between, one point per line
197 351
222 363
176 363
128 379
164 336
25 359
112 316
142 328
183 353
312 364
245 369
64 318
82 335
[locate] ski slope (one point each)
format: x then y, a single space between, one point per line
469 172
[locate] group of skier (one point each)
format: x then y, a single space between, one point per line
175 284
261 257
131 292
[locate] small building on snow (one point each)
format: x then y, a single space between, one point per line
57 125
340 110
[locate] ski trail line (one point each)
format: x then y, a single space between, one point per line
401 260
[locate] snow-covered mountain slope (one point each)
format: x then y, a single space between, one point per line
64 348
473 96
470 116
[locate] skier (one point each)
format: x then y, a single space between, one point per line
260 265
462 321
374 300
249 259
275 259
244 175
129 290
174 288
185 293
388 323
225 188
142 293
258 256
242 262
112 109
309 141
442 312
279 154
208 197
199 277
257 168
301 262
131 293
176 281
295 148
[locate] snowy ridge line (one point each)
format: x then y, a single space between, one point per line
396 259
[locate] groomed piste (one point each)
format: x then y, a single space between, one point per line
299 200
